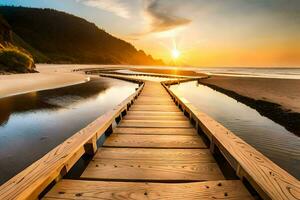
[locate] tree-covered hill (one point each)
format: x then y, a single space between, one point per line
58 37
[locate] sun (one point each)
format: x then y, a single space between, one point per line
175 53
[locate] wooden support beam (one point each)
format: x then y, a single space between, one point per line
90 147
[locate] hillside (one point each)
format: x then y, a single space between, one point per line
58 37
13 59
5 31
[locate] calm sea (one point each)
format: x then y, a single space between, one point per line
287 73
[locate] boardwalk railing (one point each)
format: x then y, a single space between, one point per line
268 179
29 183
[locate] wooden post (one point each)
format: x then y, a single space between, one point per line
124 112
109 130
119 118
90 147
212 146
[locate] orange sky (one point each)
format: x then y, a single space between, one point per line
207 33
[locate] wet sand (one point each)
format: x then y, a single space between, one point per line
277 99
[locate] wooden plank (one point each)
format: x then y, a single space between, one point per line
172 108
147 98
151 170
91 190
155 107
154 113
153 123
146 117
155 131
199 155
153 92
154 141
151 102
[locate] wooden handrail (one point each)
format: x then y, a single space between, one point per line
267 178
29 183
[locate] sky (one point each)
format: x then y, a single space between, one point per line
218 33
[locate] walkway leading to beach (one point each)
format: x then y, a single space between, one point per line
154 153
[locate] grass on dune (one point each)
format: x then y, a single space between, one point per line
14 60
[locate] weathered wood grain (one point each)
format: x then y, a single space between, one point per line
154 113
167 108
154 141
149 98
145 117
91 190
151 170
153 102
156 123
155 131
198 155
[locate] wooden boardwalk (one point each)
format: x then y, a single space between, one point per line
153 153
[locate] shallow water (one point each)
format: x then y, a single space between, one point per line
34 123
282 73
270 138
147 76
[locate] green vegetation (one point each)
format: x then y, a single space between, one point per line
58 37
13 60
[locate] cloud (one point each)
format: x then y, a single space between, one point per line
114 6
163 17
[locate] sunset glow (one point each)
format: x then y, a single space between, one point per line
175 54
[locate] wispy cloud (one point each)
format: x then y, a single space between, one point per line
163 16
117 7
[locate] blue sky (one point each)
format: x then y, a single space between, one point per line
210 33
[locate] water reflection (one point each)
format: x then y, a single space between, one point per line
270 138
34 123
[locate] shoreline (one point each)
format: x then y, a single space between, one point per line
17 84
274 111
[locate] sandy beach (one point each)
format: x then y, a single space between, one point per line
277 99
285 92
22 83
